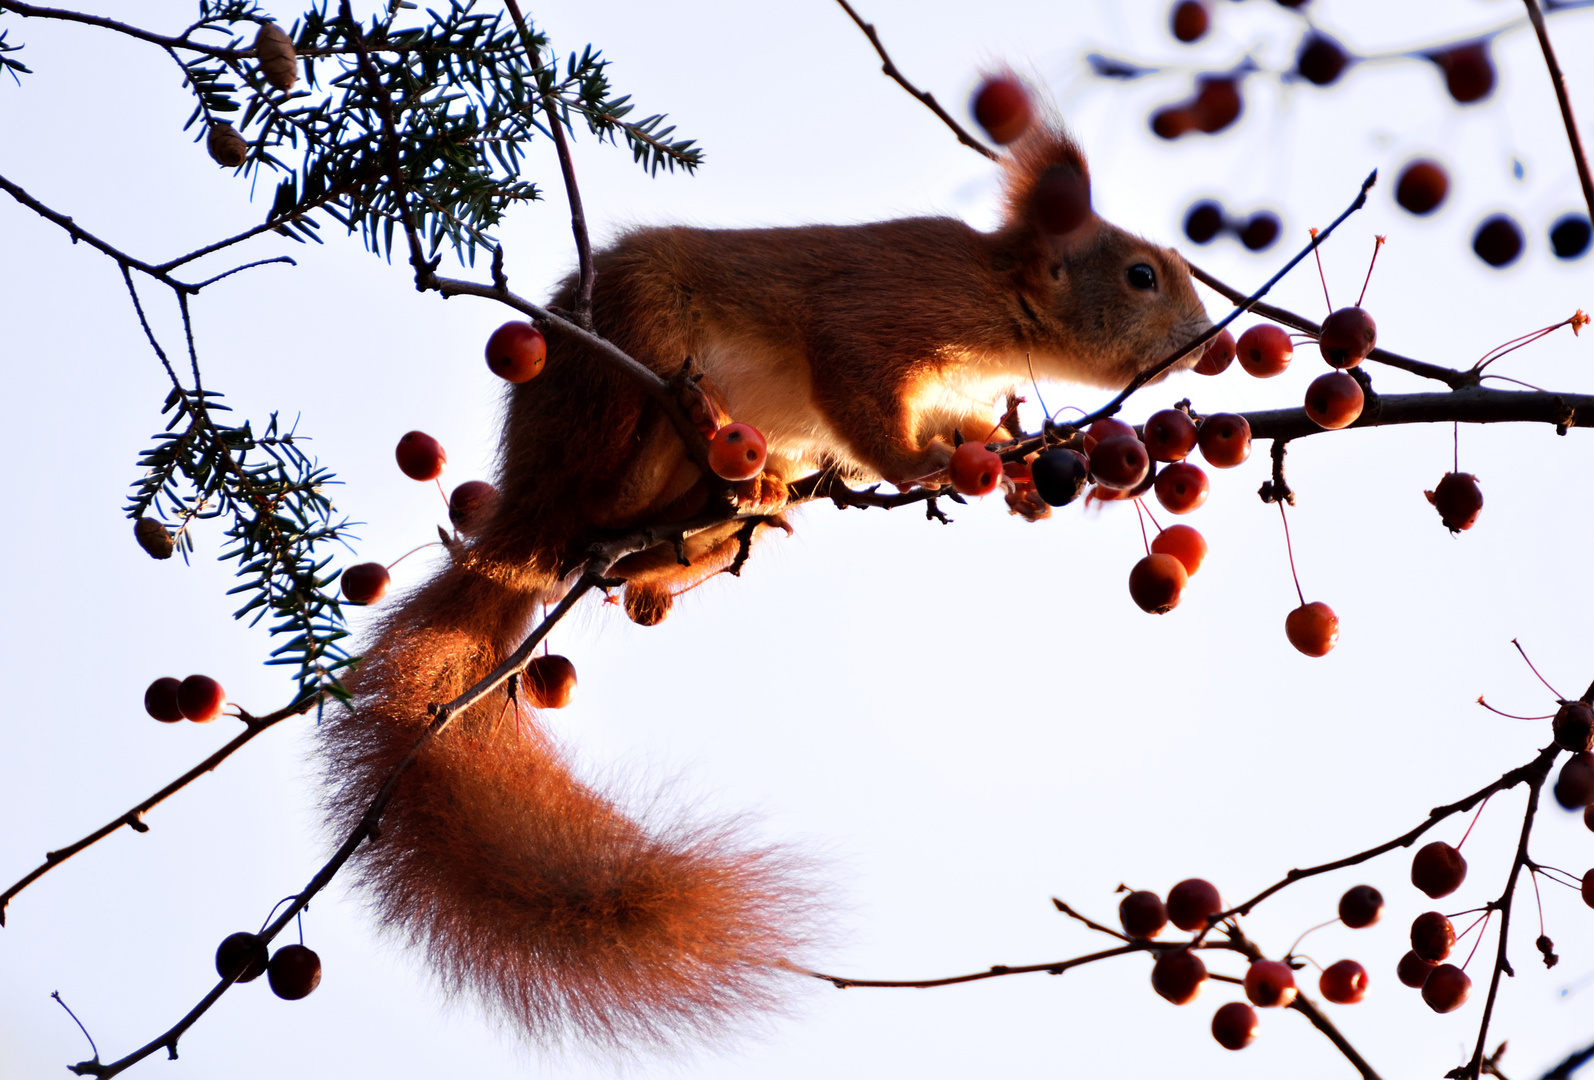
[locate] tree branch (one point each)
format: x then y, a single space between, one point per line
133 819
1559 82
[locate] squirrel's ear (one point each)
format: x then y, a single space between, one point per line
1048 184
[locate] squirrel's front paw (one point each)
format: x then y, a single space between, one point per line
764 494
1026 502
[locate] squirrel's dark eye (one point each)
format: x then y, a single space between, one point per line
1142 276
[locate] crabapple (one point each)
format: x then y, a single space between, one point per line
1438 869
1191 901
1157 583
550 681
1142 914
1120 461
1320 60
1468 71
160 700
1234 1025
1413 970
1458 500
1432 936
1574 787
1225 439
242 954
1334 400
1204 222
472 505
1574 727
1270 984
1264 350
1190 20
1347 336
201 698
1217 356
1498 241
1183 543
1446 988
1344 982
365 583
975 470
293 972
1170 435
1361 907
1181 487
1313 628
1422 187
1260 231
1002 107
1059 475
420 457
738 452
1178 975
517 351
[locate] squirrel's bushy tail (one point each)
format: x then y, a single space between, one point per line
521 883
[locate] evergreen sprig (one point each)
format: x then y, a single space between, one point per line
272 494
9 64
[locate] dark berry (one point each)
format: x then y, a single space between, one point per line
1002 107
1217 356
1344 982
1225 440
1413 970
1422 186
1191 901
550 682
1234 1025
1574 727
1498 241
1059 476
1432 936
1361 907
1259 233
420 457
1569 236
1157 583
242 954
1446 989
1203 222
472 505
1438 869
1468 71
160 700
1119 462
1142 914
1348 335
1178 975
294 971
1217 104
1189 20
1170 435
1270 984
365 583
1320 60
1574 787
1458 500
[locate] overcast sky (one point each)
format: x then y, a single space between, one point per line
956 723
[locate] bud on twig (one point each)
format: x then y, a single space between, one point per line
153 538
278 62
226 146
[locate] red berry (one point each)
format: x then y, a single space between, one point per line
1234 1025
1446 988
420 457
472 505
550 682
1225 439
1422 186
1183 543
1106 429
1348 335
1217 356
1002 107
1432 936
737 452
1264 350
975 470
1217 104
1191 901
1260 232
1458 500
160 700
1170 435
1468 71
1498 241
1142 914
1120 462
1361 907
1181 487
242 953
1320 60
1574 727
365 583
201 698
1157 583
516 352
1588 888
1438 869
293 972
1588 818
1574 787
1313 628
1190 20
1178 975
1270 984
1334 400
1172 122
1413 970
1201 224
1343 983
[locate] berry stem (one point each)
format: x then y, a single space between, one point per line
1533 876
1485 925
1455 446
1317 252
1037 387
1378 242
1291 950
1513 716
1140 516
1290 549
438 480
1153 517
1475 818
1535 670
412 551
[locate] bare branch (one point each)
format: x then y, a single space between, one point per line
1559 81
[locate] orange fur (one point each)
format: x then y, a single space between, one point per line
857 348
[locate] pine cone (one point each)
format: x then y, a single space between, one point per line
226 146
153 538
278 62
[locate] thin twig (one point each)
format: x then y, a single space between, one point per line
924 96
253 725
1559 81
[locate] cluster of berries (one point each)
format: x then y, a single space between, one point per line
293 970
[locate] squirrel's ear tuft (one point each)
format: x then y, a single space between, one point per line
1047 183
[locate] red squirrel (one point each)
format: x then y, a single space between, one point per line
860 349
